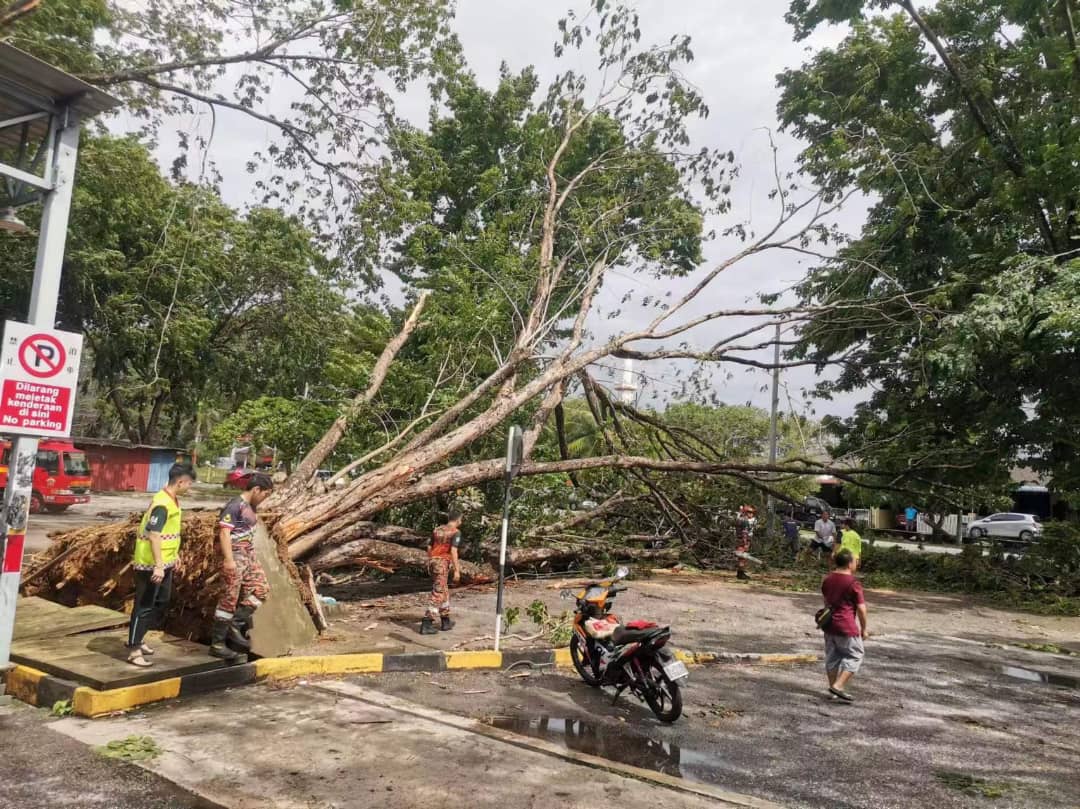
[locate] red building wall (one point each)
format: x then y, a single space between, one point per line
118 469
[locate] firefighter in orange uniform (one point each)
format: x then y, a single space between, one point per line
744 531
442 559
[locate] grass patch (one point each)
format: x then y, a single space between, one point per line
970 785
133 748
62 707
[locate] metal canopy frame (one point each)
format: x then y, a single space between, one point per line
38 104
41 109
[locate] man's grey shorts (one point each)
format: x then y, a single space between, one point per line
843 653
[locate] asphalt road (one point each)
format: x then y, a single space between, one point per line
46 770
936 722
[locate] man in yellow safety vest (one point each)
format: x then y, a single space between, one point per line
157 548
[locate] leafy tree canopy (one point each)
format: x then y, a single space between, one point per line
960 122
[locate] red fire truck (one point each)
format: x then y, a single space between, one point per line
61 476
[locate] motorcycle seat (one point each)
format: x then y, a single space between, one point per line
623 635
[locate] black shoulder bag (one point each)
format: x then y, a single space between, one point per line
823 617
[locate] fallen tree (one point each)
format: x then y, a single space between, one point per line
589 182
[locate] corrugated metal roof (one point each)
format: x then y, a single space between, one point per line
120 444
29 85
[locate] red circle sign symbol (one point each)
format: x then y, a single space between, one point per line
42 355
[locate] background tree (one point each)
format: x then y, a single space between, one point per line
182 301
337 62
503 219
959 121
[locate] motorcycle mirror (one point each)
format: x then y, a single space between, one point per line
622 572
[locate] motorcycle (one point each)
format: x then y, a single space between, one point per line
634 656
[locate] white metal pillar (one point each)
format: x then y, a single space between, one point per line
56 209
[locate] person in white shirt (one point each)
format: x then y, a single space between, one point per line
824 535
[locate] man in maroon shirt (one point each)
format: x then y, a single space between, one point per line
846 631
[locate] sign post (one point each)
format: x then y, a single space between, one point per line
38 367
513 463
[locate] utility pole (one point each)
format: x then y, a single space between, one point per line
773 423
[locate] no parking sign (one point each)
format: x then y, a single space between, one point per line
39 369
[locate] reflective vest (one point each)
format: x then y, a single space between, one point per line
170 534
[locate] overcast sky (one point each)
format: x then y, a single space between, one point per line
739 46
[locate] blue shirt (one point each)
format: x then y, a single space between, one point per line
911 513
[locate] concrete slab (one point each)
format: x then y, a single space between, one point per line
306 747
282 624
38 618
99 659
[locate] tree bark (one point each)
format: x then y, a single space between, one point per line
388 557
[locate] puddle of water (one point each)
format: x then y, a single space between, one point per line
615 744
1045 677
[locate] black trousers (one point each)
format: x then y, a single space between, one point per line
149 607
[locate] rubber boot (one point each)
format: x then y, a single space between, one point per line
427 626
217 641
237 636
447 624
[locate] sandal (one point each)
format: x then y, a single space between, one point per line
146 650
138 660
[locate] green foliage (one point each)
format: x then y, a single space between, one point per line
957 302
511 616
291 426
537 612
559 629
183 302
62 707
166 60
133 748
1046 579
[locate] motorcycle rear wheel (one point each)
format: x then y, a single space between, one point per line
663 695
584 667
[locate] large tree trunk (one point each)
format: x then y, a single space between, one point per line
388 558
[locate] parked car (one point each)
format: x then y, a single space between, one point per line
238 478
808 512
1007 525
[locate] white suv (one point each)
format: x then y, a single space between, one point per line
1011 526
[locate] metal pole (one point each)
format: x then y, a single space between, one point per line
773 423
513 458
56 208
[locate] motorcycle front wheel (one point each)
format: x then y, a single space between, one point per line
663 695
584 667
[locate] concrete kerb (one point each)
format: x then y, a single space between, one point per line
44 690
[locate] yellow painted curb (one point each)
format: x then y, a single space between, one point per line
562 658
483 659
784 658
694 658
91 702
22 683
283 668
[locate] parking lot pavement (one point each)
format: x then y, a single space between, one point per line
46 770
325 746
936 722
